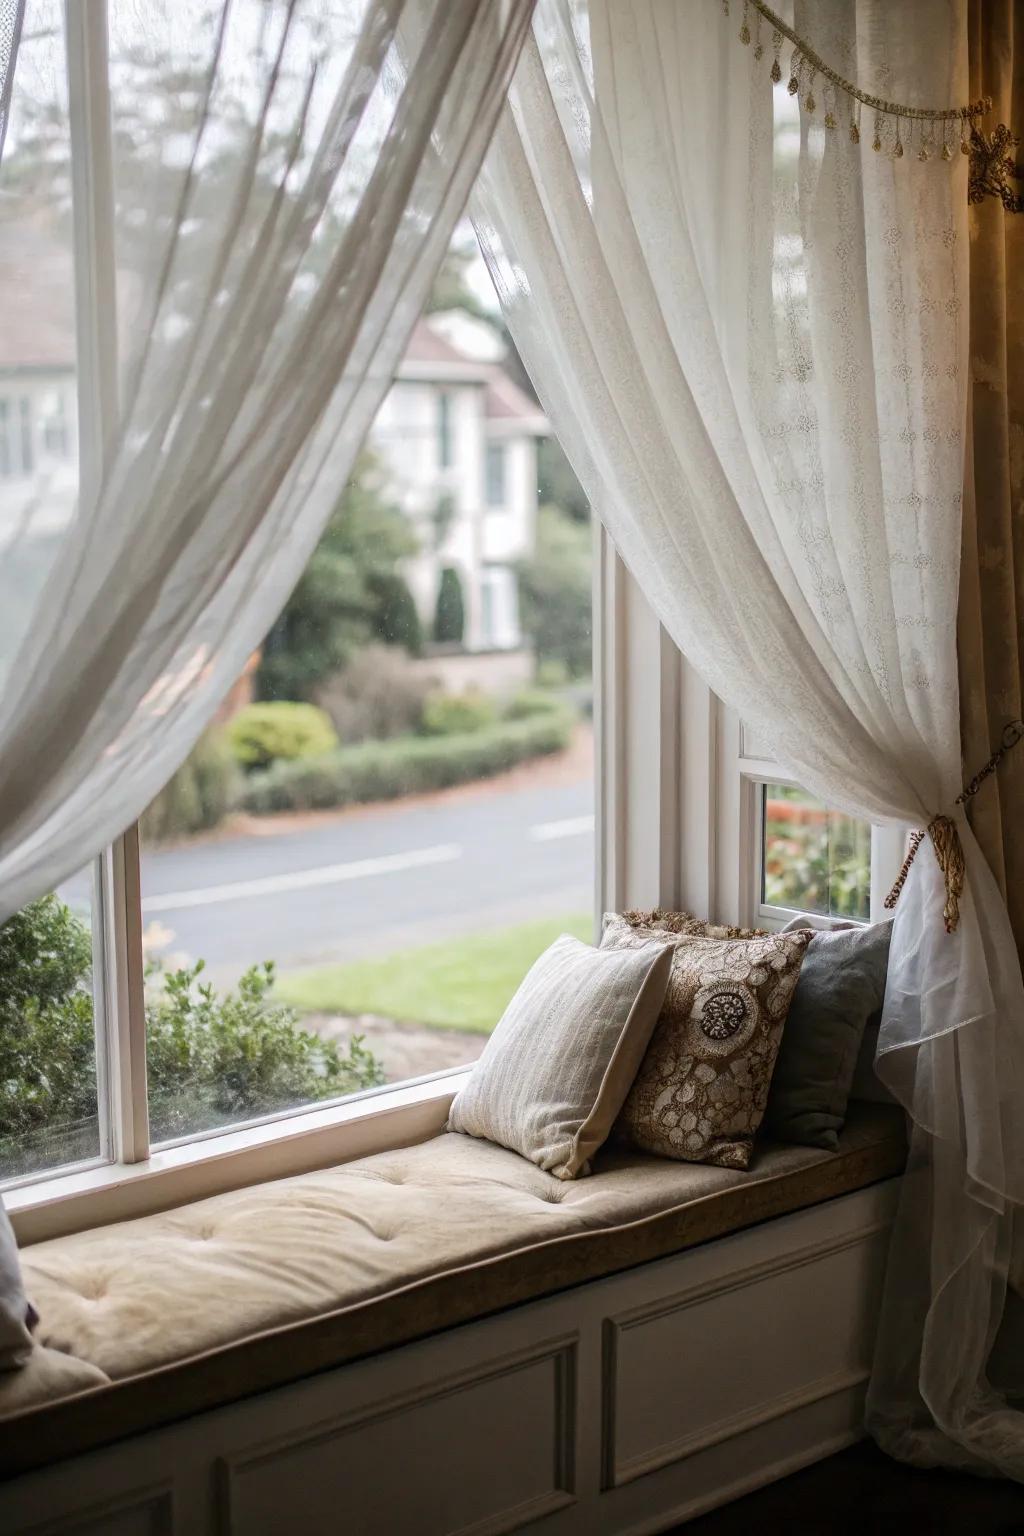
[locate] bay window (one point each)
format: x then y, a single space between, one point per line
280 968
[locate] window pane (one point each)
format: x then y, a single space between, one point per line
815 859
48 1095
392 815
37 320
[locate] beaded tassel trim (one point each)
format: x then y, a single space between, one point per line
894 127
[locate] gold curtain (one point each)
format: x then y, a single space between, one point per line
991 614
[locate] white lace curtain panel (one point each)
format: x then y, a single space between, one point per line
749 334
273 255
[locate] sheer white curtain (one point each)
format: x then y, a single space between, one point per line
286 179
749 334
11 16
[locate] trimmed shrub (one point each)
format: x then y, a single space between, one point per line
384 770
450 613
456 714
211 1057
198 796
380 694
262 734
531 702
396 621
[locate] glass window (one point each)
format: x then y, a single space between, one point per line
495 474
49 1102
444 430
814 859
347 880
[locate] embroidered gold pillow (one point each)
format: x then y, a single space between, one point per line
702 1088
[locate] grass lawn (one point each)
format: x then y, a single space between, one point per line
460 984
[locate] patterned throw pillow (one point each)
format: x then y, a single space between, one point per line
701 1091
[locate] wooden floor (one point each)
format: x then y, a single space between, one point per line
862 1493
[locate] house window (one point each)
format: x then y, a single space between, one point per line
445 456
6 457
813 859
55 426
27 446
495 474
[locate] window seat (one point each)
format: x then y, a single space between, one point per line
149 1321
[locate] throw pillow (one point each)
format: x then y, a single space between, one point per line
16 1316
701 1092
553 1075
841 986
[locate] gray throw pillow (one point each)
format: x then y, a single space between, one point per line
841 987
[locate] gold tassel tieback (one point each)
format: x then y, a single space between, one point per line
949 851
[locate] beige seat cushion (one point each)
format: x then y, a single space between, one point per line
245 1291
46 1377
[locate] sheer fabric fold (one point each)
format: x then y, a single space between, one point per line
281 209
749 334
12 15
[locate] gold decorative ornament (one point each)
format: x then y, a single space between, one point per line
992 166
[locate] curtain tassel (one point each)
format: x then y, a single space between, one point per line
949 850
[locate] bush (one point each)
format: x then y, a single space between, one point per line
396 621
216 1058
384 770
457 714
531 702
336 605
380 694
47 1048
198 796
262 734
450 613
555 592
211 1058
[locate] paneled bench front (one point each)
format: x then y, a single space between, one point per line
444 1339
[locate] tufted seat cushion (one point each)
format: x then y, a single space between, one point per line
172 1314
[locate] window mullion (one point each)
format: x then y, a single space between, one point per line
121 1039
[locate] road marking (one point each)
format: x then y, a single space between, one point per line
303 879
573 826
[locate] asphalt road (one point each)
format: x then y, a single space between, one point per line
371 883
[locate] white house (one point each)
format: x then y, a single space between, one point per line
459 439
457 435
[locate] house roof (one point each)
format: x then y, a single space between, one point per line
432 358
37 318
37 330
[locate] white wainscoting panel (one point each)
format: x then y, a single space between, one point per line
480 1453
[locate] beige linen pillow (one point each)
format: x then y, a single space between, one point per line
701 1092
555 1072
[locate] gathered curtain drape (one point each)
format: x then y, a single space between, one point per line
991 616
281 207
749 332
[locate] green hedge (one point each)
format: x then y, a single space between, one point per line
384 770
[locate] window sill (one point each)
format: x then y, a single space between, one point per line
193 1170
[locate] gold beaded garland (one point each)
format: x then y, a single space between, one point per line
805 57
